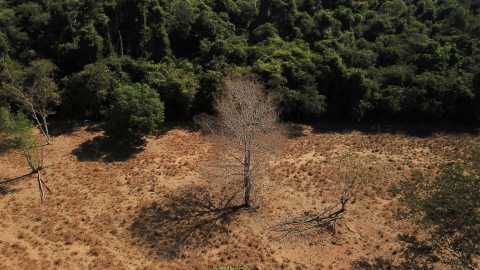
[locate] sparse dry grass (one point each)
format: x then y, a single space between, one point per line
104 212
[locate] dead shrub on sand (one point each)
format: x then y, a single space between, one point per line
351 175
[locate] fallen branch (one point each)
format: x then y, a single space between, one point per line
354 231
40 183
299 224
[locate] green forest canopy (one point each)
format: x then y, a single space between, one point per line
415 61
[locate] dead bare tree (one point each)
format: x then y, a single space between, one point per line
247 129
351 176
35 91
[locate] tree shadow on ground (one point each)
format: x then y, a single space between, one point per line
412 255
5 146
169 126
108 149
62 127
6 183
412 131
295 130
380 263
188 218
5 189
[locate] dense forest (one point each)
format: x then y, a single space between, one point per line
407 61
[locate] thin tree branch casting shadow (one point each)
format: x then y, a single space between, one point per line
187 219
10 181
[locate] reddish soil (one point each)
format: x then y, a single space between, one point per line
114 207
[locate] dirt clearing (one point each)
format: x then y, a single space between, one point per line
121 208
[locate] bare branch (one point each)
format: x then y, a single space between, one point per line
351 176
246 127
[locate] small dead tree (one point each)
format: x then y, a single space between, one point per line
35 91
351 176
247 129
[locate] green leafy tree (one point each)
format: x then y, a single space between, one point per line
213 25
135 111
159 43
18 130
12 37
448 208
88 92
181 17
176 83
290 70
263 32
245 14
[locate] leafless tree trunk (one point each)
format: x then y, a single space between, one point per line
36 92
247 129
37 107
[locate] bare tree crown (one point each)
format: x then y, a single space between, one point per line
246 127
243 107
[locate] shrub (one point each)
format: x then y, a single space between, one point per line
448 208
17 128
135 111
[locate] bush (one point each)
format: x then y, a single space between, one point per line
448 208
17 128
135 111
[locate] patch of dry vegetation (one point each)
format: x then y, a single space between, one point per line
137 212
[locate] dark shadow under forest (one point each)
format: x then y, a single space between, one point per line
111 148
108 149
189 126
64 127
413 131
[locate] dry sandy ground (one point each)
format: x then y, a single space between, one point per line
113 207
